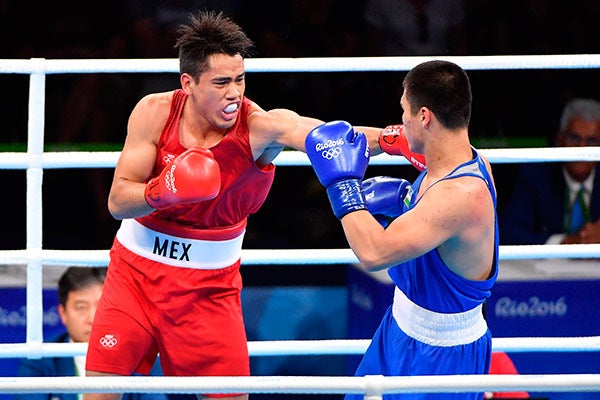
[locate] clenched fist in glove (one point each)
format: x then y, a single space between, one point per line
392 140
339 156
387 198
191 177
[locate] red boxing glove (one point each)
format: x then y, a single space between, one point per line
192 176
392 140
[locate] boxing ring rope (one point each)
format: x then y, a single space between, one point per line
320 347
108 159
308 64
35 160
373 386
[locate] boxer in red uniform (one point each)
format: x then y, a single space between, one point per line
196 162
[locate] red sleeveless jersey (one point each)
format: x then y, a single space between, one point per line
244 186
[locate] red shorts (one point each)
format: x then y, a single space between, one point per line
192 317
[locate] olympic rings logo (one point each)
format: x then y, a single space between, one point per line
108 341
331 153
168 158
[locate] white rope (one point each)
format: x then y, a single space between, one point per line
108 159
326 64
36 160
100 258
320 347
374 385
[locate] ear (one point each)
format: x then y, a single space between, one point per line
186 83
425 116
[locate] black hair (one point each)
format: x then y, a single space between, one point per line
208 33
444 88
75 278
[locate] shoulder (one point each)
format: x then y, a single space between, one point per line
155 102
463 184
151 112
278 128
269 126
461 201
271 120
472 189
472 212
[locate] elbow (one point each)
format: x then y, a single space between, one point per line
115 214
114 210
373 267
371 263
379 258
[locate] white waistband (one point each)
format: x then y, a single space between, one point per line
437 329
178 251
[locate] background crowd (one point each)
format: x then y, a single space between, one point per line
91 109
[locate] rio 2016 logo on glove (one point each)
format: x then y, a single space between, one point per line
337 152
330 149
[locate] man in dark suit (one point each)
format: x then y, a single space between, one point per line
555 202
79 290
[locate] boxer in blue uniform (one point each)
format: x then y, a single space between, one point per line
438 238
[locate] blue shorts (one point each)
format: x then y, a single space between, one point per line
393 353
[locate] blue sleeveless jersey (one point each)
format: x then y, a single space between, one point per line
435 324
427 281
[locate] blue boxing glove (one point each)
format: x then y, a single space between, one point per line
340 157
387 198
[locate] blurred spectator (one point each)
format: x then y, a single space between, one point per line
554 202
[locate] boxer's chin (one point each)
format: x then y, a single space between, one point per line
232 116
226 122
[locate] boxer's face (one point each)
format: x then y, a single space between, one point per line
217 94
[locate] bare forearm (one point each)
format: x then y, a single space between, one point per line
372 134
126 200
361 231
